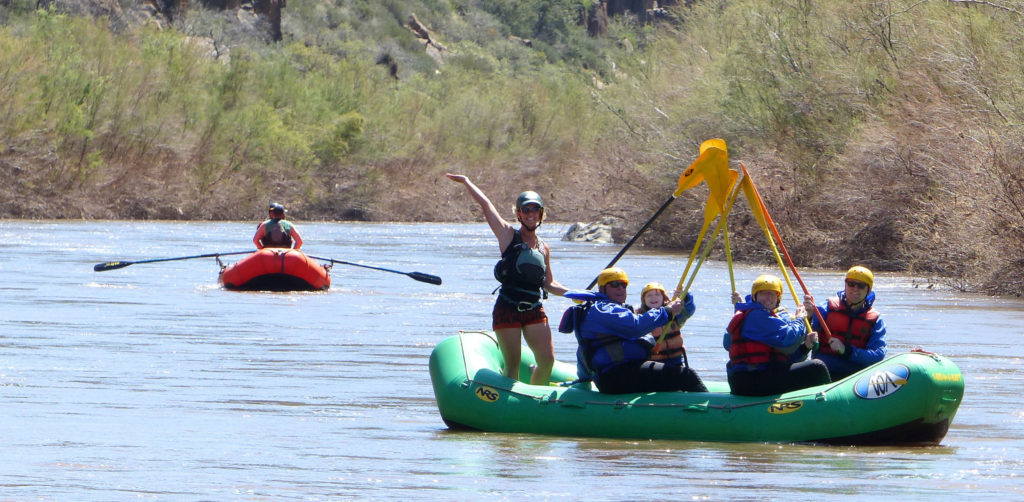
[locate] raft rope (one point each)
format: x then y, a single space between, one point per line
619 403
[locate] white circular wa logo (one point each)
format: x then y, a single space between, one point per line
882 382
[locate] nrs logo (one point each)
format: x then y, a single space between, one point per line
487 394
882 382
783 408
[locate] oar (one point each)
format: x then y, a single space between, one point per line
711 241
714 160
757 208
707 249
689 179
419 276
114 265
775 230
720 183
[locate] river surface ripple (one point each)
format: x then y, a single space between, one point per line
150 382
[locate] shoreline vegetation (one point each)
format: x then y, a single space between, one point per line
883 133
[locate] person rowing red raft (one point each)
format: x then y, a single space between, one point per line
277 232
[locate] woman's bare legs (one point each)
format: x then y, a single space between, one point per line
538 337
510 343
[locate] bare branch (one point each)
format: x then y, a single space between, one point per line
990 4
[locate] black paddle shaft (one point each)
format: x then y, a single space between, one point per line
419 276
637 236
114 265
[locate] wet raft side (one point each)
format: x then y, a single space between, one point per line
275 270
908 398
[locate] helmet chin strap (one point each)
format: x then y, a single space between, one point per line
534 229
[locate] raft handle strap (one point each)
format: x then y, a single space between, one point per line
619 404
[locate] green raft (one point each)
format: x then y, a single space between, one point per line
909 398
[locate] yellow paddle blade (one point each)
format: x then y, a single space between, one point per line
711 210
717 143
694 174
691 177
707 247
754 202
717 174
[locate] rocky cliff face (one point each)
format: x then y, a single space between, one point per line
164 13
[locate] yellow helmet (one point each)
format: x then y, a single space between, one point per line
653 286
612 274
861 274
766 283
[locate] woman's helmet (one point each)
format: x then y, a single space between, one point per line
529 198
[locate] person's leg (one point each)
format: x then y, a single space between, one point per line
690 381
659 377
621 379
649 376
802 375
538 338
813 372
839 375
753 383
510 343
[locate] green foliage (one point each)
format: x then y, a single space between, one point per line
291 110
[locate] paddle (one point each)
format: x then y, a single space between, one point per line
710 243
758 209
714 158
419 276
775 230
114 265
689 179
707 249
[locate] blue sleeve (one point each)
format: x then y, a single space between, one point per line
615 319
823 310
773 331
689 307
583 295
876 348
726 341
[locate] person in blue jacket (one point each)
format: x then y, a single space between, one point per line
615 342
763 341
858 331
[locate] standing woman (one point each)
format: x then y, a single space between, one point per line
524 271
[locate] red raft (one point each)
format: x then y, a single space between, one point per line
275 269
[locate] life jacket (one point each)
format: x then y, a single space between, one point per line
854 330
749 352
572 322
521 272
277 233
669 353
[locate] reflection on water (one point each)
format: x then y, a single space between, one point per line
151 382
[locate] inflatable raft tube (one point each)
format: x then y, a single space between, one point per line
275 269
909 398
